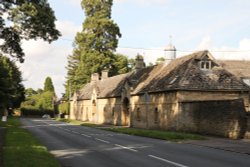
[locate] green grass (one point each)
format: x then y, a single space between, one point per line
22 149
158 134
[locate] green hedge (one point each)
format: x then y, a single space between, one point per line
36 112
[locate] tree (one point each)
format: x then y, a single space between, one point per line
30 92
30 19
48 85
41 101
160 60
11 88
121 65
95 45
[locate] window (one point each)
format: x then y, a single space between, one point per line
138 114
205 65
156 115
113 111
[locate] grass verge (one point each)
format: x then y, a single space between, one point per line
22 149
158 134
75 122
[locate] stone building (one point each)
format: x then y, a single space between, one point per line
194 93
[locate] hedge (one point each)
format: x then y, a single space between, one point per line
36 112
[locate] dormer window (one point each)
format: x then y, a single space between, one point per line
205 65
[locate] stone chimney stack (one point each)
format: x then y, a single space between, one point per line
139 62
94 77
105 74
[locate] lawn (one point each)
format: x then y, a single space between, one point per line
22 149
158 134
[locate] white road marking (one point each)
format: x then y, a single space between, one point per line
85 135
127 148
165 160
75 132
67 130
104 141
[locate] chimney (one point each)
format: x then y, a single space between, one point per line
94 77
105 74
139 62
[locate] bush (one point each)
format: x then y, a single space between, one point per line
36 112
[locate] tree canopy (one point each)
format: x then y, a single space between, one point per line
25 19
95 45
48 85
11 88
41 101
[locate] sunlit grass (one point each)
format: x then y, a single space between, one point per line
22 149
76 122
158 134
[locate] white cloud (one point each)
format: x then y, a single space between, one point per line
244 44
44 59
242 52
206 43
68 29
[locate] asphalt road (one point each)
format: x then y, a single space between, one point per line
78 146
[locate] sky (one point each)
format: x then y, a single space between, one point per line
220 26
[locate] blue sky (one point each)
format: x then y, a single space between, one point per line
221 26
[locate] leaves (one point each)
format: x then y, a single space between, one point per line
40 100
94 46
48 85
26 20
11 88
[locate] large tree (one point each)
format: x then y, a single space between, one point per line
95 44
25 19
48 85
11 88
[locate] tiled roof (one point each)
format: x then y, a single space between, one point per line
183 73
240 68
109 87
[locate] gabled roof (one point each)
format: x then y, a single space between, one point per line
183 73
109 87
240 68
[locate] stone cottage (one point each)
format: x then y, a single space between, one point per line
194 93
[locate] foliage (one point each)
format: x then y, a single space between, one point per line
48 85
25 20
30 92
63 108
160 60
40 102
94 45
26 152
11 88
